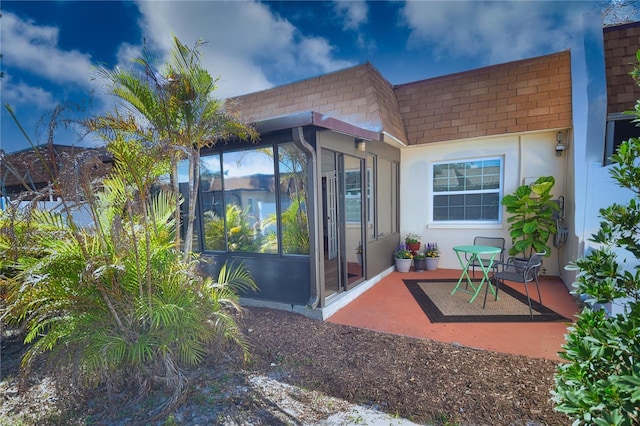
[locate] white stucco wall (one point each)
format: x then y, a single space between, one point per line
524 156
589 94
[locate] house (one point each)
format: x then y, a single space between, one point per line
348 164
372 162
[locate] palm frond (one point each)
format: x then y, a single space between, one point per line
237 277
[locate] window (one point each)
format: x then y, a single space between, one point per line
371 211
353 196
248 205
387 196
620 128
467 191
292 169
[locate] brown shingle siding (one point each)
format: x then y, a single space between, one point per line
519 96
620 46
515 97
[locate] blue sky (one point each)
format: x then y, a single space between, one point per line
50 49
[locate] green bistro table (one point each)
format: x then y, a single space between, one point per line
474 252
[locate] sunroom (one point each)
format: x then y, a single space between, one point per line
311 209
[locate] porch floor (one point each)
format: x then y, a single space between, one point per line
389 307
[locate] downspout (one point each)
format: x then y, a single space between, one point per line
314 231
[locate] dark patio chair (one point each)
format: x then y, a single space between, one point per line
519 273
486 241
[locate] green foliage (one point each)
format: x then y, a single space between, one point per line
241 235
402 252
411 239
531 221
172 109
295 227
86 295
600 382
116 300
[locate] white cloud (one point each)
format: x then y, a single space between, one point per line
20 94
246 42
34 48
317 51
354 13
498 31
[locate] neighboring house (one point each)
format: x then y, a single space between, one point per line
613 93
25 172
431 157
28 176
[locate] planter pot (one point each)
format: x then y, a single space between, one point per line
419 265
359 258
520 263
403 265
414 247
432 263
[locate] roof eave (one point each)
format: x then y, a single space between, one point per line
312 118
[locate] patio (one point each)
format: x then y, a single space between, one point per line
389 307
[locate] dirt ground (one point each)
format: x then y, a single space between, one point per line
331 366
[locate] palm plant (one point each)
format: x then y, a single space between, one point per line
241 236
92 302
175 109
295 229
116 300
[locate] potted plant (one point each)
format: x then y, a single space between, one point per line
359 253
432 256
419 262
532 217
413 243
402 256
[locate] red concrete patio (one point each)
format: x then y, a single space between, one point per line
389 307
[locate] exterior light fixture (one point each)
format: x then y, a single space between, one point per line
560 145
361 145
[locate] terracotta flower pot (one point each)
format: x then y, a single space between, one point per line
414 247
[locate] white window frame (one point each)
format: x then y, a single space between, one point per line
499 192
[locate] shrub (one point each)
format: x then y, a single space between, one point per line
116 301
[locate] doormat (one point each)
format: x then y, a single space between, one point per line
435 299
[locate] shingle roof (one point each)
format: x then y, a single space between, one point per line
528 95
358 95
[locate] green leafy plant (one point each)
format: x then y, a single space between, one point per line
412 239
295 228
116 302
599 384
432 250
531 220
359 248
241 236
402 252
173 108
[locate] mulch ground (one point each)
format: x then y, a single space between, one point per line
422 380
